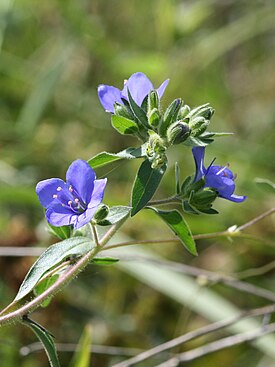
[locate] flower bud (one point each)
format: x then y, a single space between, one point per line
204 198
183 112
170 115
153 101
178 132
201 129
153 117
122 111
196 111
101 213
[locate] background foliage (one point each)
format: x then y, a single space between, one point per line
53 56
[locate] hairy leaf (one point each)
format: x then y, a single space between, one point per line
178 225
146 184
54 255
104 158
115 214
124 125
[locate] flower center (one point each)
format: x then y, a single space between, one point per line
70 199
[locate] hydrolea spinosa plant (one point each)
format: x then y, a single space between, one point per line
74 208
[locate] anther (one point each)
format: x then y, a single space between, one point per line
70 202
59 188
71 188
76 200
55 196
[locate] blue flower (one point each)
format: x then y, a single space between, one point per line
139 87
73 202
217 177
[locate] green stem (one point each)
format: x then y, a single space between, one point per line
63 280
170 200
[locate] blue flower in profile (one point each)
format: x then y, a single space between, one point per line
217 177
138 85
73 202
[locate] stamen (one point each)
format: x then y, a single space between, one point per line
59 188
76 200
210 165
54 196
70 202
71 188
125 81
221 170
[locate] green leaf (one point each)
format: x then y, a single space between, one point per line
62 232
104 158
82 355
104 260
209 134
43 285
266 184
188 208
178 225
177 178
195 142
185 187
116 213
53 256
46 339
124 125
146 183
138 112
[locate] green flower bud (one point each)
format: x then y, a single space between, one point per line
170 115
154 117
178 132
153 101
201 129
196 111
196 122
122 111
204 198
183 112
101 213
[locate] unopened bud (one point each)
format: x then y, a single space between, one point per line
201 129
122 111
154 117
178 132
153 100
101 213
183 112
170 115
204 197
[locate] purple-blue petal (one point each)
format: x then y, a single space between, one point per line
59 216
47 188
162 88
98 193
225 186
198 154
81 176
108 96
236 198
85 217
139 86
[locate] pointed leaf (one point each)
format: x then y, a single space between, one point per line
196 142
188 208
115 214
62 232
104 158
146 184
177 178
51 257
124 125
46 339
178 225
82 355
43 285
138 111
104 260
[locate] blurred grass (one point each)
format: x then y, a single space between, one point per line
53 56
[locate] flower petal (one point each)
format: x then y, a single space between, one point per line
59 216
139 87
85 217
198 154
225 186
236 198
162 88
98 193
108 96
81 176
47 188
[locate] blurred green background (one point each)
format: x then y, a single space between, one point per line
53 56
